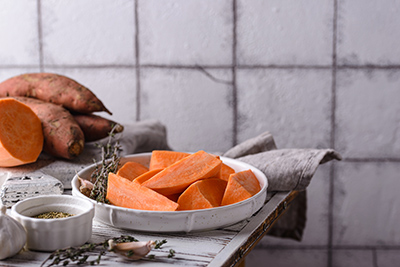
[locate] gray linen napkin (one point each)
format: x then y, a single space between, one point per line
285 169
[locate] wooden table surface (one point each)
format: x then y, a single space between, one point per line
222 247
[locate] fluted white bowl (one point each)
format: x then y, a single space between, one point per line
175 221
53 234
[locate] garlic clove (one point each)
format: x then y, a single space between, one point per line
12 235
132 250
86 186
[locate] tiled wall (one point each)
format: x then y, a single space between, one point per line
315 74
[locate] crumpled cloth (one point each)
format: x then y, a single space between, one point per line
286 170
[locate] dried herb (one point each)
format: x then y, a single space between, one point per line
109 163
53 215
91 253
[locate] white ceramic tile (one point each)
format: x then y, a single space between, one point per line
367 204
346 258
88 32
368 32
287 258
368 113
388 258
285 32
186 32
19 43
195 108
316 229
116 88
294 105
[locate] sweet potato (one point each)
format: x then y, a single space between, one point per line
130 170
226 171
203 194
21 134
160 159
124 193
54 88
178 176
95 127
241 185
146 176
62 135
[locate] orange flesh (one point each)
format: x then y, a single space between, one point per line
124 193
178 176
131 170
21 134
241 185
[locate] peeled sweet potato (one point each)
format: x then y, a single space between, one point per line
124 193
21 134
62 135
53 88
95 127
130 170
178 176
241 186
203 194
161 159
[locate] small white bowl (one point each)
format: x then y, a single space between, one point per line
53 234
175 221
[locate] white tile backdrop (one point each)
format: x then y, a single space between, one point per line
314 73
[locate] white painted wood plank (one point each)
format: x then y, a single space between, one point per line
240 239
209 248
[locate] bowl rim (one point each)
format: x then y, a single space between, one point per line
85 211
264 187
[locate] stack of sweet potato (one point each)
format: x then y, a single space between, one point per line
49 112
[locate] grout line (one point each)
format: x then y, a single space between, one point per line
234 81
40 34
333 136
166 66
138 84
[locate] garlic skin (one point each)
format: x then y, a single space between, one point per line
12 235
86 186
132 250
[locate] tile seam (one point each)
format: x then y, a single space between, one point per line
333 136
40 34
137 58
234 81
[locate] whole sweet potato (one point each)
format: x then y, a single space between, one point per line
95 127
54 88
62 135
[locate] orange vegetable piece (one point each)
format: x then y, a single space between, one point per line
225 172
21 134
124 193
178 176
160 159
241 185
203 194
146 176
131 170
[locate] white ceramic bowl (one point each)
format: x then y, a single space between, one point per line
53 234
175 221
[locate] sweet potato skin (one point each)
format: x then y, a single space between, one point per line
95 127
53 88
62 135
